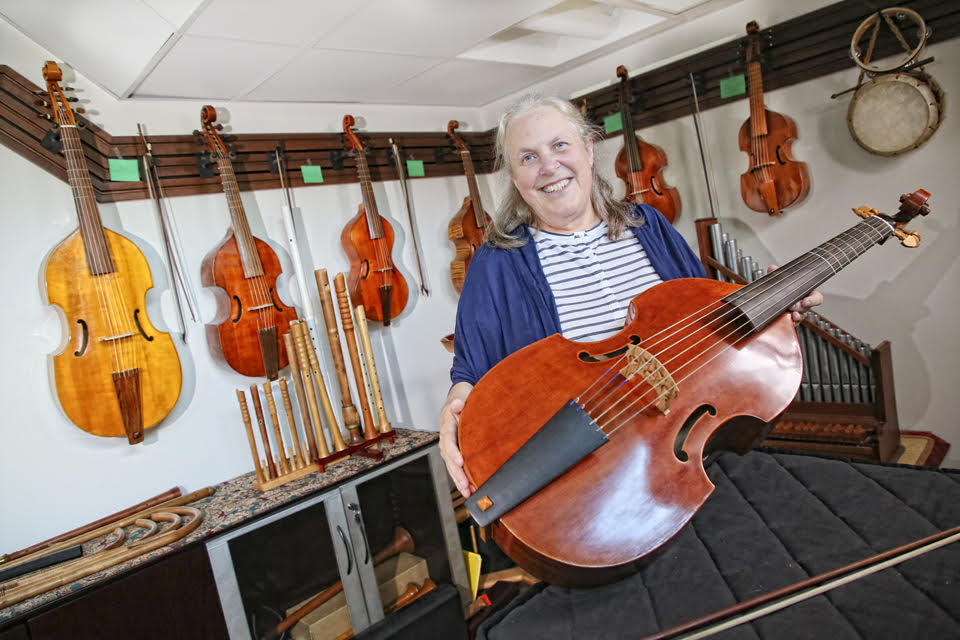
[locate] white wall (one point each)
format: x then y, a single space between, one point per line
53 476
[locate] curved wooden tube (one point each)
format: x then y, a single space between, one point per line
343 300
351 420
57 576
402 542
97 524
107 528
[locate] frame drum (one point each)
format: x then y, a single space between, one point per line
894 113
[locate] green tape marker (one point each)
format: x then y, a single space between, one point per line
735 86
124 170
612 123
312 174
415 168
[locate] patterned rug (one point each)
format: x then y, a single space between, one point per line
922 448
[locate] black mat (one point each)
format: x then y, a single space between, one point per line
775 519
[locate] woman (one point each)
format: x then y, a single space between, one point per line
563 256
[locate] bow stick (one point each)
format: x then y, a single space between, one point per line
406 201
772 601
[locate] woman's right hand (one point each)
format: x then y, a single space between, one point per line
449 422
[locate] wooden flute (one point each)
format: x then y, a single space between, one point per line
343 300
361 316
351 420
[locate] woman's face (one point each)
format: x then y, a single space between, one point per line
552 168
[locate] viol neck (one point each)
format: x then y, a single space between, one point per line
249 258
99 260
763 300
369 202
478 212
630 137
758 112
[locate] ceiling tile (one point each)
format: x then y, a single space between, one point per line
291 22
465 83
76 33
340 76
175 12
427 27
213 68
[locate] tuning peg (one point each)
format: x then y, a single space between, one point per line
42 103
219 127
67 88
73 99
80 110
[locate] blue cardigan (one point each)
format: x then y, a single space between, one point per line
506 302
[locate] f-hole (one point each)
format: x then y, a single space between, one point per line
364 268
273 299
653 185
84 336
136 319
691 420
780 158
586 357
239 309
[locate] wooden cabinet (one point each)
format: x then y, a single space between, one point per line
264 568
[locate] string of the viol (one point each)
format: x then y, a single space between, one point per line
758 121
259 292
630 144
801 275
479 215
115 315
374 227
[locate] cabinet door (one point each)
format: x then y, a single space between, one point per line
412 493
268 568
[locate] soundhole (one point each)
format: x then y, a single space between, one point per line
239 310
84 336
136 319
653 185
691 420
586 357
364 268
276 303
780 158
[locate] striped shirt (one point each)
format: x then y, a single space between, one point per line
593 278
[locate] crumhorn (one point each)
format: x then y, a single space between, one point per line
402 542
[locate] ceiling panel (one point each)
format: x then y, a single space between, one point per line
291 22
340 76
427 27
213 68
75 33
465 83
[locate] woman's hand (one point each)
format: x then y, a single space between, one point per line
799 311
449 422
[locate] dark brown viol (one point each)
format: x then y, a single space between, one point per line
774 180
467 229
374 282
119 376
246 268
640 164
700 365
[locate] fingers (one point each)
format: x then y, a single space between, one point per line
449 451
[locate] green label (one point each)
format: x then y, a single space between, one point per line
312 174
415 168
613 123
124 170
735 86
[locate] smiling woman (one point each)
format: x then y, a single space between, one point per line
562 255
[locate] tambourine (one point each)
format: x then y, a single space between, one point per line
894 113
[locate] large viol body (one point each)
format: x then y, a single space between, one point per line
367 239
640 164
246 269
118 374
700 365
774 180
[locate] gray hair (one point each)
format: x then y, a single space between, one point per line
514 211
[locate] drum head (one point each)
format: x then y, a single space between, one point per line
894 113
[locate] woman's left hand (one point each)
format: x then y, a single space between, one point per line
799 311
